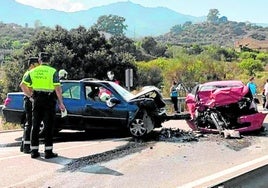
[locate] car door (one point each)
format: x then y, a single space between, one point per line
72 99
97 114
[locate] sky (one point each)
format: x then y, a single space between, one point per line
254 11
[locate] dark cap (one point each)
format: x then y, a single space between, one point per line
44 57
32 60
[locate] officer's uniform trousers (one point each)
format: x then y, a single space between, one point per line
25 145
43 110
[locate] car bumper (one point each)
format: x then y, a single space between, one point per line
255 122
12 116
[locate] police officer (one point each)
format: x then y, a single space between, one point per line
42 83
27 123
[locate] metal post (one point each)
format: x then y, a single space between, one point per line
129 78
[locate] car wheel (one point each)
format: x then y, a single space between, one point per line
137 128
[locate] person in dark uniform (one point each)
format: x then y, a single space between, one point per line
27 104
41 84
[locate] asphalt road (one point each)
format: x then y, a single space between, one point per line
114 160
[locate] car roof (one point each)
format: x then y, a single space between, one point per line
224 83
92 80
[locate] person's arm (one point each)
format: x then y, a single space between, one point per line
26 90
170 90
59 96
265 89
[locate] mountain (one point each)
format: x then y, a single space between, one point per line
141 21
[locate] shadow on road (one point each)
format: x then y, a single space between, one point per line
70 136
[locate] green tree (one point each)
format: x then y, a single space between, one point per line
149 44
16 44
247 55
221 54
263 57
149 74
12 77
223 19
251 66
122 44
82 52
153 48
176 29
213 16
112 24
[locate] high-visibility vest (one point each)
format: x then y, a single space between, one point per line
42 78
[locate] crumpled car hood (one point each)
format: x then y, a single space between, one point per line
146 90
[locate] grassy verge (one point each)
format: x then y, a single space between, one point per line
8 126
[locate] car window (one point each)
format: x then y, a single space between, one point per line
122 91
91 92
71 91
97 93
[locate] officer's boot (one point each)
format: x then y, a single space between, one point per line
49 154
35 153
26 147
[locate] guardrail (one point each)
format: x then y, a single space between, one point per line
181 103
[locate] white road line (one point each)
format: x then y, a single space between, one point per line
207 179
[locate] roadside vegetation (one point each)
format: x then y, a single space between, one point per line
8 126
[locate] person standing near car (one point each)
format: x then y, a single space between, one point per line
174 96
27 104
252 87
110 75
266 95
42 83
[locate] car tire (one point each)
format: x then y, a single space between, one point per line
141 125
137 128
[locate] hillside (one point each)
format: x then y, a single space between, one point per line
222 34
141 21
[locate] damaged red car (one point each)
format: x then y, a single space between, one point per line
223 106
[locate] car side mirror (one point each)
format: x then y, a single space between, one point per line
111 102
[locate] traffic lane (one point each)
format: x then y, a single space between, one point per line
11 140
163 164
254 178
7 138
19 169
168 164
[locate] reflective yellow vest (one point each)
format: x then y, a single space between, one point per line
42 78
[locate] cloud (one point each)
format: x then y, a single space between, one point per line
61 5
